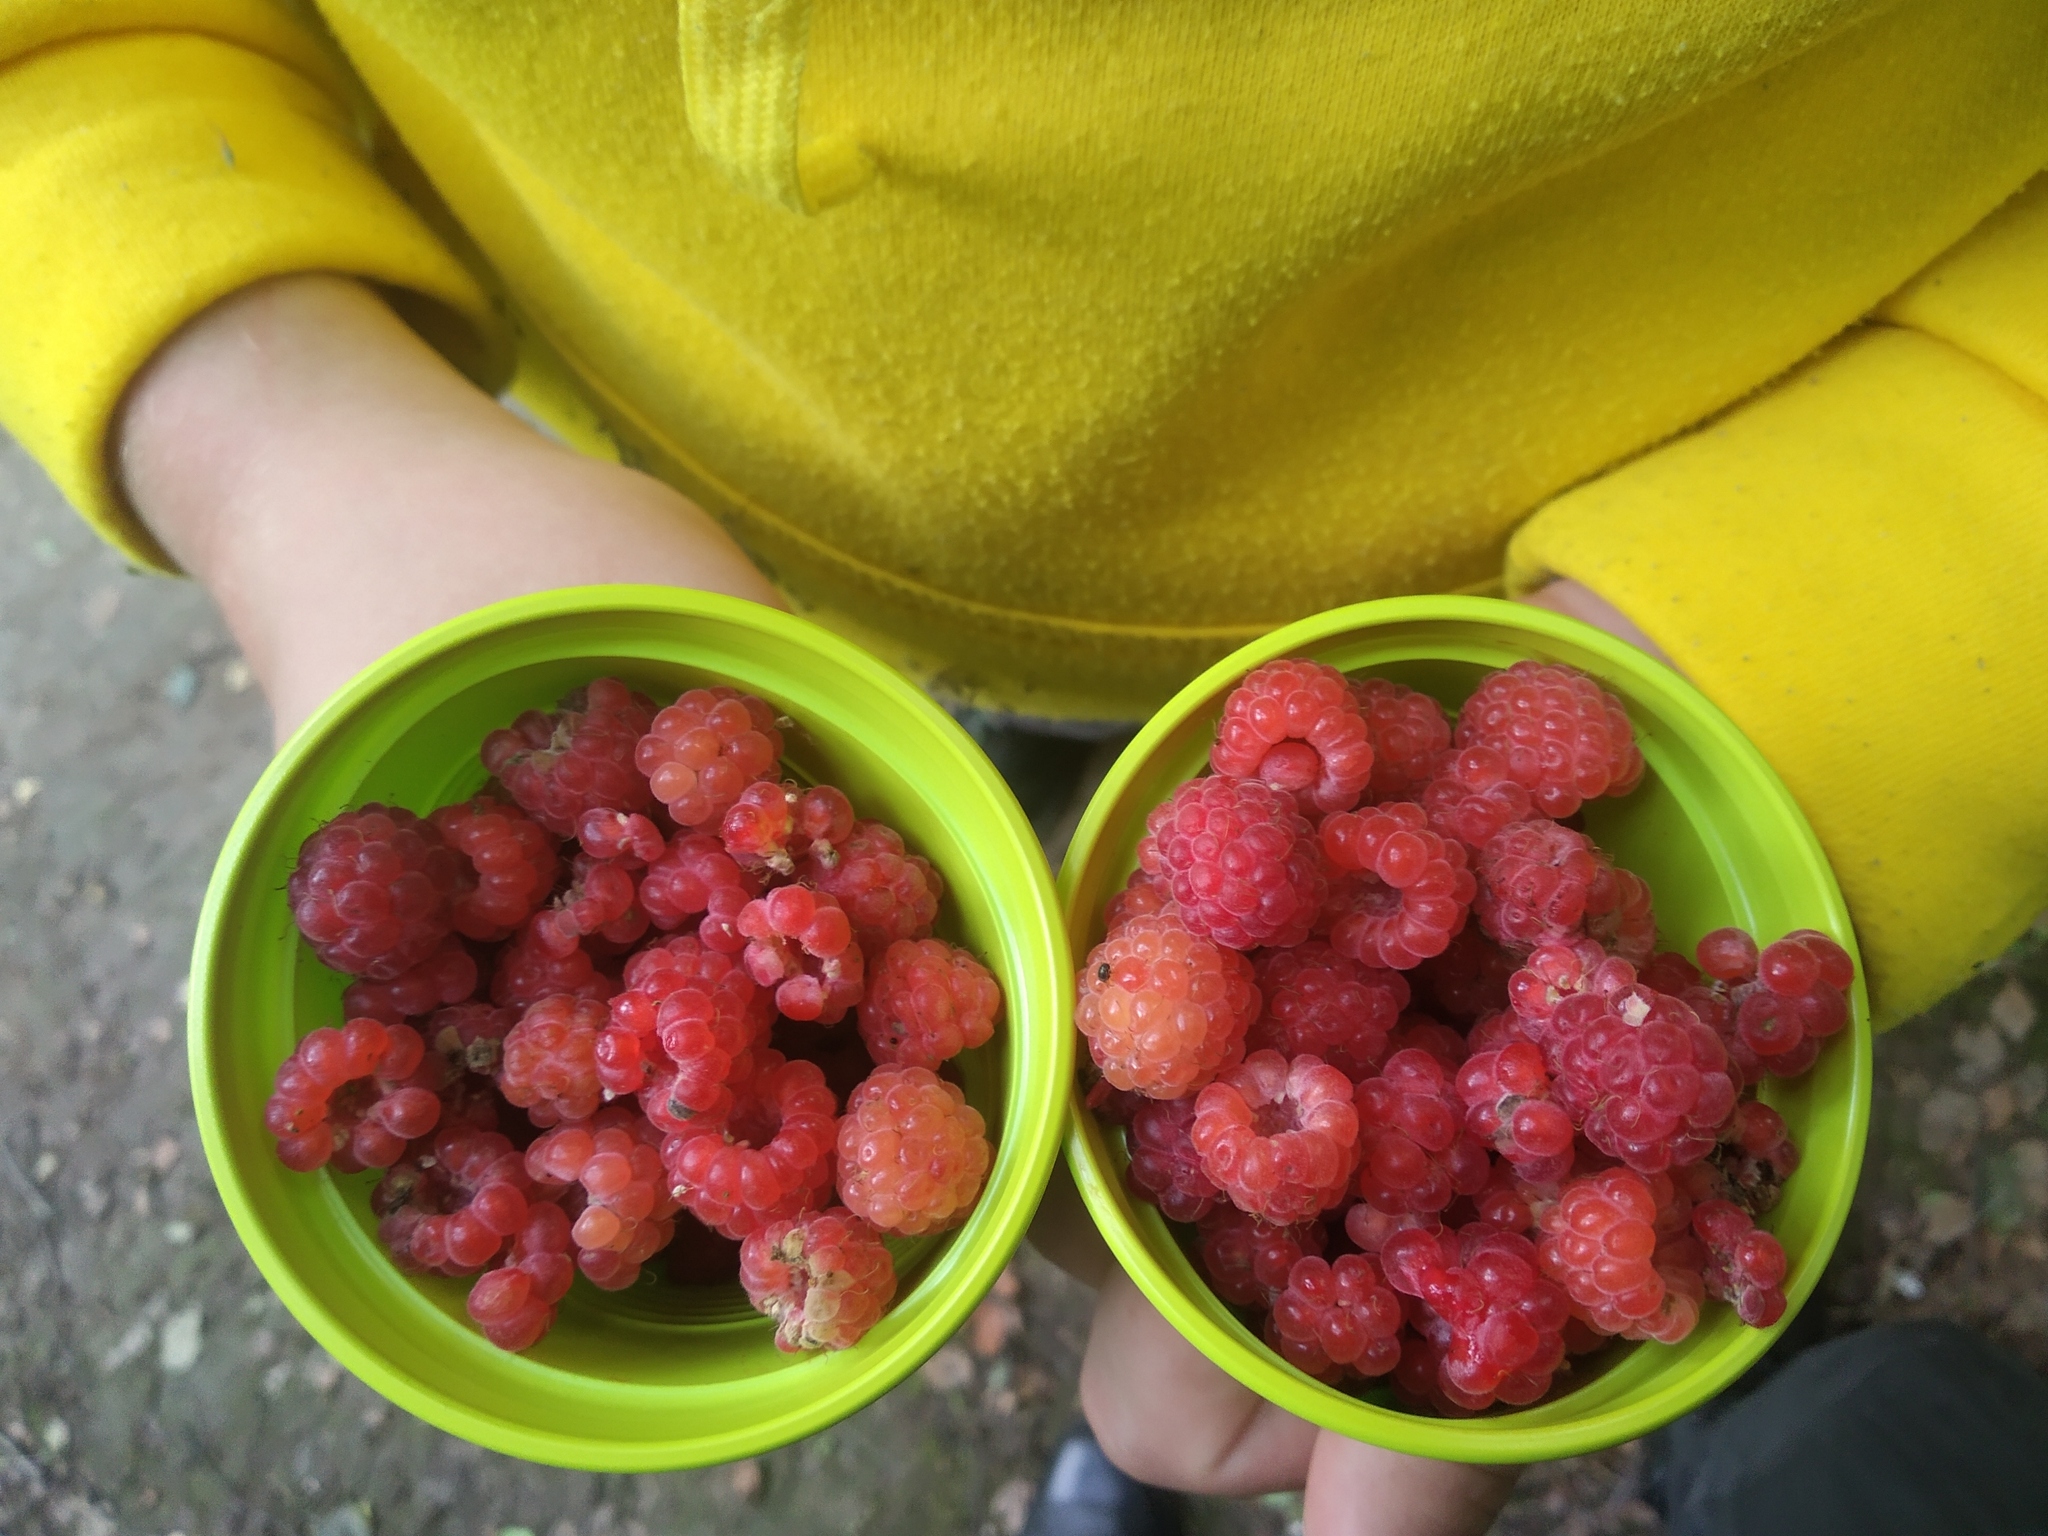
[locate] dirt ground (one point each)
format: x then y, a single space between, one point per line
149 1382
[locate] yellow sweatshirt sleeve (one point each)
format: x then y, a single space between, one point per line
155 157
1854 565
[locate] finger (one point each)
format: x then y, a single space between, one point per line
1064 1232
1356 1489
1169 1417
1576 601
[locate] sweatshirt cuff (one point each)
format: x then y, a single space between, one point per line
143 177
1850 566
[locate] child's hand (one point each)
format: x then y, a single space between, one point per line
1166 1415
338 487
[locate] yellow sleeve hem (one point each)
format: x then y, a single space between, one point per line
155 174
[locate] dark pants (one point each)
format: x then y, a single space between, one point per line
1918 1429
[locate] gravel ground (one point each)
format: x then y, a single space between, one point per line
150 1384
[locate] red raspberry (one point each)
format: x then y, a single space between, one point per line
1496 1030
1627 925
770 1160
470 1037
1555 972
580 758
1163 1008
1295 726
1727 954
1538 881
680 1031
824 1277
1369 1228
1248 1260
514 1304
514 860
1319 1003
445 977
550 1060
1241 861
1598 1242
1414 1153
1410 888
697 877
1509 1201
1338 1313
1755 1156
1650 1079
1165 1167
800 943
527 971
373 891
352 1096
631 842
772 825
704 749
1409 734
614 1160
601 900
1566 739
451 1212
927 1002
1472 796
1669 973
912 1155
1508 1106
1117 1106
1504 1323
1142 896
1279 1137
888 893
1745 1267
1419 1032
1469 978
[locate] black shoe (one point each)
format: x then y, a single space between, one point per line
1085 1495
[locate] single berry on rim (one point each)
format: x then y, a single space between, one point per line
912 1152
373 891
824 1277
1296 726
580 758
1240 859
1163 1008
702 751
1566 739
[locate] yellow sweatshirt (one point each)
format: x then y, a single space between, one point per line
1052 347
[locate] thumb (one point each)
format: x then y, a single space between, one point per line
1356 1489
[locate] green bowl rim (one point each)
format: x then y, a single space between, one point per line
1034 1101
1495 1438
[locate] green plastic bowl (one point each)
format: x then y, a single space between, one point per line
657 1376
1719 840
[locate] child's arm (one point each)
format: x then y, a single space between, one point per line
338 487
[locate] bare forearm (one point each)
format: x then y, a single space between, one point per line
339 488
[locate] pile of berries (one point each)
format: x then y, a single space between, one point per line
1396 1037
588 1025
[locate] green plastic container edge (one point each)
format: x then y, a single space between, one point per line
1042 1089
1499 1440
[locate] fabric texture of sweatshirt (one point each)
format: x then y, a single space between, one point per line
1052 347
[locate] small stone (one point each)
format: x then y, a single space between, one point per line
56 1436
375 1415
26 789
177 1233
17 1431
46 1164
178 1346
2030 1170
2013 1011
181 686
236 676
2000 1104
1981 1052
1011 1506
163 1157
949 1370
744 1478
1944 1217
128 1346
321 1371
1949 1122
994 1321
1909 1285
